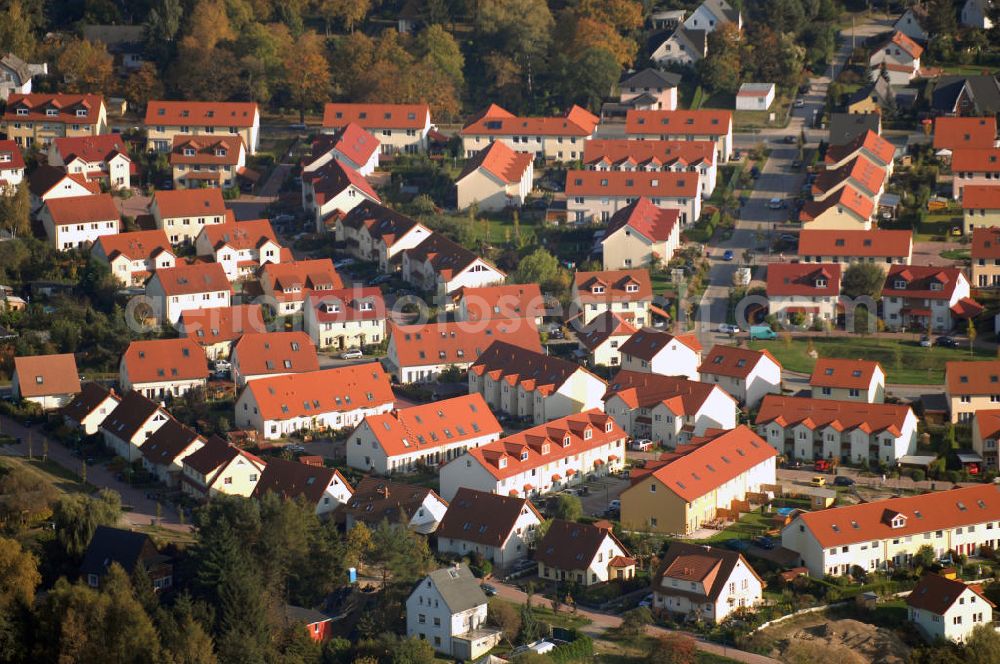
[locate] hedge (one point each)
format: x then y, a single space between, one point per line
580 650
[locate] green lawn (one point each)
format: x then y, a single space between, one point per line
752 524
904 361
937 226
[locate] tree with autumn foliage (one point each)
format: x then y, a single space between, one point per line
722 69
307 74
348 12
142 85
85 66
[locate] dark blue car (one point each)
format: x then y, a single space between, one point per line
727 255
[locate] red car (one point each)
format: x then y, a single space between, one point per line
821 466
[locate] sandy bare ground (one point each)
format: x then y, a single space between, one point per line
817 639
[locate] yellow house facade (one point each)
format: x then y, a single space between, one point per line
38 119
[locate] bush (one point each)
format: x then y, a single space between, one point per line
580 650
918 475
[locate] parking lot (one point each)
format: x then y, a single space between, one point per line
601 492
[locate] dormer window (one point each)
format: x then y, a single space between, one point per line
898 521
332 308
524 456
588 434
566 440
502 462
821 283
220 152
365 306
597 290
935 286
81 112
22 111
608 426
188 152
899 284
545 448
631 288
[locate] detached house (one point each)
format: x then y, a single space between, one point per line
985 251
548 457
911 23
131 550
324 488
329 399
698 482
680 46
705 583
174 290
167 119
601 339
556 139
11 167
745 375
971 167
38 119
165 450
50 182
628 293
926 297
848 380
333 190
351 145
16 75
424 435
641 235
126 429
898 57
647 90
654 351
288 284
220 468
90 407
216 329
419 353
699 125
495 178
51 381
498 528
267 354
373 232
621 154
440 267
948 609
448 610
241 247
347 318
977 14
133 257
971 387
807 429
104 156
183 214
79 221
667 409
398 127
586 554
883 247
416 508
207 161
980 210
594 196
809 291
528 384
163 368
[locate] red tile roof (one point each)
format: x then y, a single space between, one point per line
545 444
377 116
937 594
919 281
83 209
496 121
221 324
194 278
382 223
135 246
190 203
46 178
603 327
213 149
201 113
711 566
860 172
47 375
66 106
483 517
679 123
876 243
418 429
348 304
309 394
446 257
568 545
975 160
459 342
654 184
645 390
613 286
951 133
981 197
648 342
314 274
275 353
986 242
850 374
987 422
841 415
351 140
734 362
937 510
869 142
499 161
293 480
509 301
14 159
163 360
803 278
91 149
653 223
912 48
972 377
240 235
624 152
702 467
532 370
334 177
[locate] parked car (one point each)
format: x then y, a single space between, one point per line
352 354
736 544
726 328
755 172
488 590
764 542
790 139
925 341
727 255
777 204
799 103
642 444
843 480
821 466
796 164
947 342
818 480
647 601
343 262
615 504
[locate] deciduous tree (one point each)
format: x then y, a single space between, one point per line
567 507
85 66
76 517
142 85
348 12
438 48
863 279
17 31
506 617
307 74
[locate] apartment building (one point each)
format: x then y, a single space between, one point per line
347 318
699 125
166 119
398 127
78 222
926 297
625 292
38 119
552 138
882 247
174 290
595 196
183 214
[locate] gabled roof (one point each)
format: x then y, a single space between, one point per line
499 161
424 427
603 327
220 324
313 274
506 301
646 390
496 121
132 412
90 397
734 362
113 545
15 161
821 279
375 499
47 375
653 223
215 455
377 116
622 151
937 594
910 47
163 360
981 197
240 235
964 132
382 222
986 241
82 209
982 91
879 90
136 245
846 127
458 342
987 423
920 281
679 123
65 105
568 545
458 588
707 565
972 377
975 160
650 78
18 66
212 149
197 114
848 374
654 184
292 480
817 414
483 517
937 510
350 140
446 257
876 243
613 286
91 149
860 171
704 465
45 178
275 353
206 202
348 304
648 342
194 278
334 177
342 389
529 369
168 442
